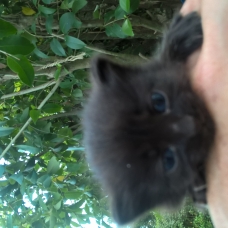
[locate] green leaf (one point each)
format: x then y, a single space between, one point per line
52 220
68 21
67 83
114 30
34 2
40 54
16 45
47 1
51 108
42 204
31 149
46 10
34 114
66 4
58 205
77 93
57 48
57 72
24 115
65 132
2 170
17 177
23 68
74 43
109 15
4 131
30 164
127 28
49 23
78 4
119 13
73 195
53 166
9 221
96 12
125 5
134 5
32 177
6 29
45 180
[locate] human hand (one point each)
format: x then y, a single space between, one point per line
209 71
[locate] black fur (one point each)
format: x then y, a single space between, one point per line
147 134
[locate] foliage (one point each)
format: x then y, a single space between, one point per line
188 216
45 49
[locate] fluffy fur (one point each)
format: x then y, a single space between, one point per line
147 133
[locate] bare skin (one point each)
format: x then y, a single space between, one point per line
209 71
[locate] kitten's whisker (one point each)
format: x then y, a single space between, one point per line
200 188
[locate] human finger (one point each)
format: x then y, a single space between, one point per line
190 6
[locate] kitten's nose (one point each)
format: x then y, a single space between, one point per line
185 126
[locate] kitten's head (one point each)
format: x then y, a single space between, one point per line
145 135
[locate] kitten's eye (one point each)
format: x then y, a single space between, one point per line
159 102
169 159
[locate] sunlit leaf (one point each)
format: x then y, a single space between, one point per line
60 178
127 28
28 11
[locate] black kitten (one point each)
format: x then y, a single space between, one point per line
147 134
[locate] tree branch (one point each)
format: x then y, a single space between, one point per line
30 90
30 119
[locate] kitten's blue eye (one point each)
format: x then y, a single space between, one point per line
159 102
169 159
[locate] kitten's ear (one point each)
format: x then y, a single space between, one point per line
184 36
126 206
105 71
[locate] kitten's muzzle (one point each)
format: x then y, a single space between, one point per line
185 126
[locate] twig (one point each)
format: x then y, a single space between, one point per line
30 90
143 57
5 53
30 119
128 58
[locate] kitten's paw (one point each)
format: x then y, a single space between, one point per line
185 35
